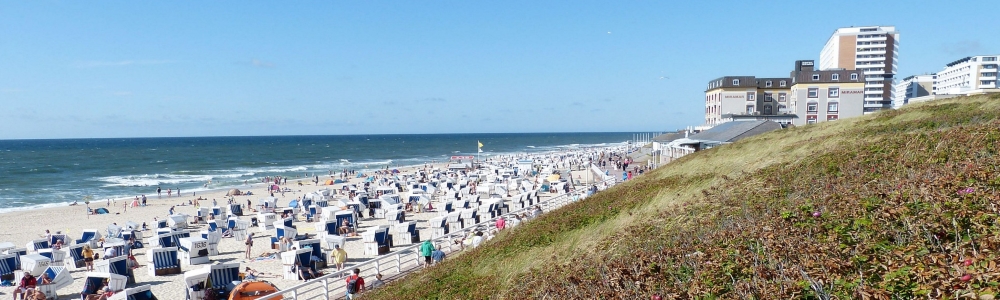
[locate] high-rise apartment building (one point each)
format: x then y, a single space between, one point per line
912 87
970 75
872 50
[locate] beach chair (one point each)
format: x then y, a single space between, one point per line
4 246
377 240
94 281
470 217
290 258
177 221
113 231
56 256
137 293
213 238
60 277
90 236
193 251
346 215
235 210
116 265
454 221
438 226
119 247
59 237
266 221
163 261
221 279
18 252
395 216
240 229
162 224
38 244
74 258
219 211
328 227
202 214
34 263
405 233
322 203
8 264
316 250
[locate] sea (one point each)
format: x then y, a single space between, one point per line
56 172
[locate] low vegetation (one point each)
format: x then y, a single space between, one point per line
896 205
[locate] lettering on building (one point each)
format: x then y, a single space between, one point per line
851 92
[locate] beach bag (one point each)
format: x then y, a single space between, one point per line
352 285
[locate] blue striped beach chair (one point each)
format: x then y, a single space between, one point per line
74 258
8 264
38 244
116 265
90 236
164 261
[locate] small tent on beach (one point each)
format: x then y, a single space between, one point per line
101 211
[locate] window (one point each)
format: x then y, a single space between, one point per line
781 97
767 83
767 109
736 82
782 83
749 109
811 121
989 58
831 117
751 97
854 76
768 97
832 107
835 77
812 107
813 93
815 76
834 92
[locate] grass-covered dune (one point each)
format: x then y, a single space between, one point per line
897 205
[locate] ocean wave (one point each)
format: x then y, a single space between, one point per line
152 180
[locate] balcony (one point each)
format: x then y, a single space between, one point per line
873 104
874 84
870 58
871 52
874 97
872 39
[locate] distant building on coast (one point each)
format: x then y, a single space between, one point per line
671 146
971 75
968 76
874 51
739 98
912 87
825 95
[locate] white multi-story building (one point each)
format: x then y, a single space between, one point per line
874 51
912 87
970 75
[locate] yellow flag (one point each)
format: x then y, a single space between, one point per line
480 144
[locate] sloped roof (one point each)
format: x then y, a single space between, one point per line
669 136
733 131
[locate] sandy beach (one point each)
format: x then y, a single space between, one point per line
71 220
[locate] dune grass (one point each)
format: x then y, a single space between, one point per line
900 204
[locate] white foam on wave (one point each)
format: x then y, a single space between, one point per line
151 179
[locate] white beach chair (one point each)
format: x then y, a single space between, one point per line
137 293
438 226
213 238
39 244
57 256
60 277
177 221
193 251
288 260
405 233
8 264
95 280
376 240
117 265
163 261
265 221
34 263
224 277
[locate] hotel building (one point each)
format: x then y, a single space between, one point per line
873 50
970 75
912 87
731 98
825 95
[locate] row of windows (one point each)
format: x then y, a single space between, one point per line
872 43
864 36
831 93
831 107
871 56
812 119
835 76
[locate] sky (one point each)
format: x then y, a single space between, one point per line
94 69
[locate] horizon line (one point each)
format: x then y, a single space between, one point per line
315 135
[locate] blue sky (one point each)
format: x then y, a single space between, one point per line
74 69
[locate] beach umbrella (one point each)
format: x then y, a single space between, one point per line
293 203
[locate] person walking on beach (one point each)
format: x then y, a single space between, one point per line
158 192
169 193
249 243
355 284
143 199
